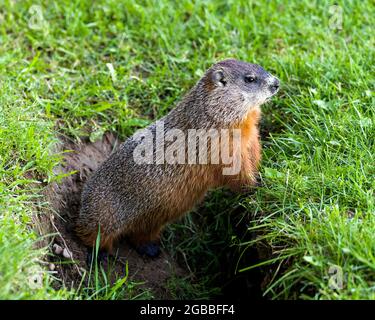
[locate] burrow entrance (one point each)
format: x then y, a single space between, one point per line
154 275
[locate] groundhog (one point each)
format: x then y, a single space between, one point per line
157 175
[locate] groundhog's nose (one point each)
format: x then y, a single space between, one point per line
275 85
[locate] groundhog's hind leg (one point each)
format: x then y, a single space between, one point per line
105 247
90 237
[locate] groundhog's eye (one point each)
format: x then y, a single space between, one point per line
249 79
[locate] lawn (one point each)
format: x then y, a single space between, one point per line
79 69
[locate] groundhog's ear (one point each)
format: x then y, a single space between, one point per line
218 78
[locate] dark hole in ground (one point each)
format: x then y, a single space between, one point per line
225 268
155 274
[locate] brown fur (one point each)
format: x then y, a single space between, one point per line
125 198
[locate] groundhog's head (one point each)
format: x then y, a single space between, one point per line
234 87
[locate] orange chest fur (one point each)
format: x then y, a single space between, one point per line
249 130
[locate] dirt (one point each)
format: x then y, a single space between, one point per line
64 201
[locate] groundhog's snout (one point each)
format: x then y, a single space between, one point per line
274 85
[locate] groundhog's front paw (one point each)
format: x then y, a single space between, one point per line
151 249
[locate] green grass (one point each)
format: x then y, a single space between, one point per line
102 282
315 209
24 142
